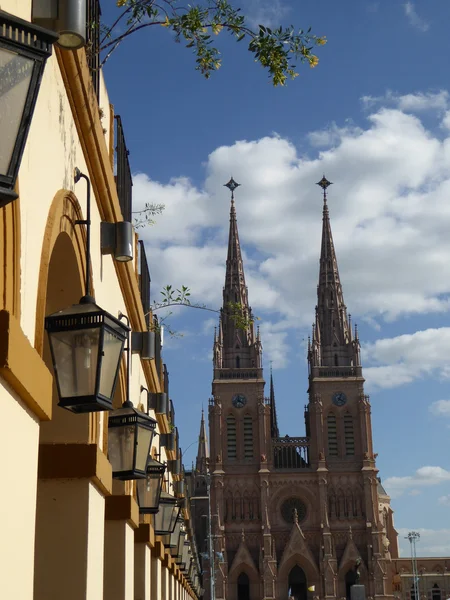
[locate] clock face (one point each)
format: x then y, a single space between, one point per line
339 398
239 400
288 507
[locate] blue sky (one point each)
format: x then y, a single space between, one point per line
375 117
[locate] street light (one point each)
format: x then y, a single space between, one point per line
24 49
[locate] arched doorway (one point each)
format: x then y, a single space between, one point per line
243 587
350 579
297 584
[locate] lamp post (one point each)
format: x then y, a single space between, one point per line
24 49
412 537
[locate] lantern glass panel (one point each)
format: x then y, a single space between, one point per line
144 442
75 356
121 448
112 350
14 86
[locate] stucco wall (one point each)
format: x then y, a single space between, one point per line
18 497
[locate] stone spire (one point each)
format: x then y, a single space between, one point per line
332 343
274 432
235 345
201 465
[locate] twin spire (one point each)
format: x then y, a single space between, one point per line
235 345
332 344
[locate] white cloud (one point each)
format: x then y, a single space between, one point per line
423 477
416 102
406 358
445 500
440 408
414 19
390 217
432 542
269 13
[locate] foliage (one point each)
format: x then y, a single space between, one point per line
144 216
180 297
275 49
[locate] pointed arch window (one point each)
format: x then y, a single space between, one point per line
349 435
436 592
336 362
332 435
238 362
231 437
248 436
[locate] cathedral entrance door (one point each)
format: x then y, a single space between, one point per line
350 579
297 584
243 585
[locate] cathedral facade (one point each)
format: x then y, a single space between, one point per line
302 517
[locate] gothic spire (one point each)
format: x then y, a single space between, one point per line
274 432
332 343
236 345
202 452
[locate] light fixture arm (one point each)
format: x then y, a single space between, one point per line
77 175
144 389
127 403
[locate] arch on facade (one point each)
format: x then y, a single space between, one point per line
60 284
301 560
297 584
243 574
347 576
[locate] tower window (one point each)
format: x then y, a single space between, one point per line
238 362
248 437
231 437
349 435
332 435
336 362
436 592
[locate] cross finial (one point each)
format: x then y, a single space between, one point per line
232 185
324 183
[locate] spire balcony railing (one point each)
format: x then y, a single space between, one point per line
336 372
290 453
250 373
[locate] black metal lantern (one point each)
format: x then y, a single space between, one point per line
186 555
166 517
171 540
178 551
130 435
149 489
24 49
86 344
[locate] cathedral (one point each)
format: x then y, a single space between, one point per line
279 516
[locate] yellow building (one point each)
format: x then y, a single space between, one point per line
69 528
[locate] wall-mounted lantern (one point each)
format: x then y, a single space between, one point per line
178 551
86 344
169 441
166 517
149 489
130 434
66 17
24 49
117 239
158 402
143 343
171 540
